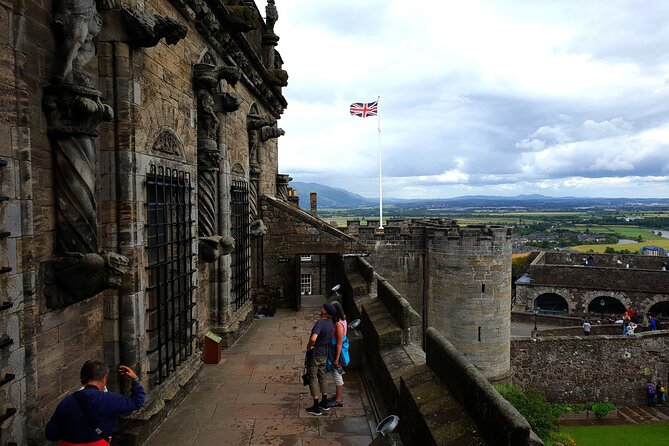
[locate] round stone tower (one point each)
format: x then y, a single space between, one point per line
469 288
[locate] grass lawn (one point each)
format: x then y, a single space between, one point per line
633 247
654 434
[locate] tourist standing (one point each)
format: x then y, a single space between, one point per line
88 416
587 327
626 324
338 367
660 392
653 323
317 354
650 394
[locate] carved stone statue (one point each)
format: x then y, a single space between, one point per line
211 248
258 228
255 122
271 15
76 276
146 30
207 78
77 26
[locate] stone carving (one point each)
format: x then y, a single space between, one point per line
77 276
207 78
241 19
211 248
255 122
257 228
145 30
271 16
73 111
77 26
278 77
73 114
167 142
267 133
282 181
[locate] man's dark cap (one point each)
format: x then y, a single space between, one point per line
330 309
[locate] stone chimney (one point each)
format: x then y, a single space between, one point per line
313 201
293 198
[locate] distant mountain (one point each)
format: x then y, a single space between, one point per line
331 197
328 197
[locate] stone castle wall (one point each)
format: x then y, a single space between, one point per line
458 279
591 368
151 91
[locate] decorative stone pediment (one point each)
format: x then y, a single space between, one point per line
167 142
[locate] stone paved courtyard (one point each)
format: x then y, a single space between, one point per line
255 395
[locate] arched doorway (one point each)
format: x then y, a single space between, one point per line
660 309
551 303
606 305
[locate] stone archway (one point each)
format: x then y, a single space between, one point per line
660 309
611 305
551 302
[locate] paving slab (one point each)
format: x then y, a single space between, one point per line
254 396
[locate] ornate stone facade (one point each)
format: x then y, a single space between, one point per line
118 178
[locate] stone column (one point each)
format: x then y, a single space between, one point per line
282 181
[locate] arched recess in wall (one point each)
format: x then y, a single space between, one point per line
237 172
606 304
660 309
551 302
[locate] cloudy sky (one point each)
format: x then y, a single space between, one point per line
503 97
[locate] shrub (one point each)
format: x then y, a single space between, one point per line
602 409
532 404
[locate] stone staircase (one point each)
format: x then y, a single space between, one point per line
643 414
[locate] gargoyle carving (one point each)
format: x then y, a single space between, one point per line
267 133
211 248
77 27
145 30
76 276
278 77
241 19
258 228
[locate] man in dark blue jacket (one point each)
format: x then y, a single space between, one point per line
88 416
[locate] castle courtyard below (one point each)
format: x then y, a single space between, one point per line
255 396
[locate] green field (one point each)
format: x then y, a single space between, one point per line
654 434
632 247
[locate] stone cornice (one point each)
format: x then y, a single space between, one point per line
209 18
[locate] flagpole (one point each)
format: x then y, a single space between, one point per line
378 115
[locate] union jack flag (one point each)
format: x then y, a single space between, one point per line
362 109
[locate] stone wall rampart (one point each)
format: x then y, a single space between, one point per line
591 368
471 388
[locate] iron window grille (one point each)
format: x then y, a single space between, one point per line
241 256
169 296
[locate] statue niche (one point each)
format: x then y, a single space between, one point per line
210 101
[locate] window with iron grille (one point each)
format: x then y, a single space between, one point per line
241 256
169 296
305 284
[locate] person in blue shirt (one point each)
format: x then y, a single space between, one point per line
88 416
317 354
